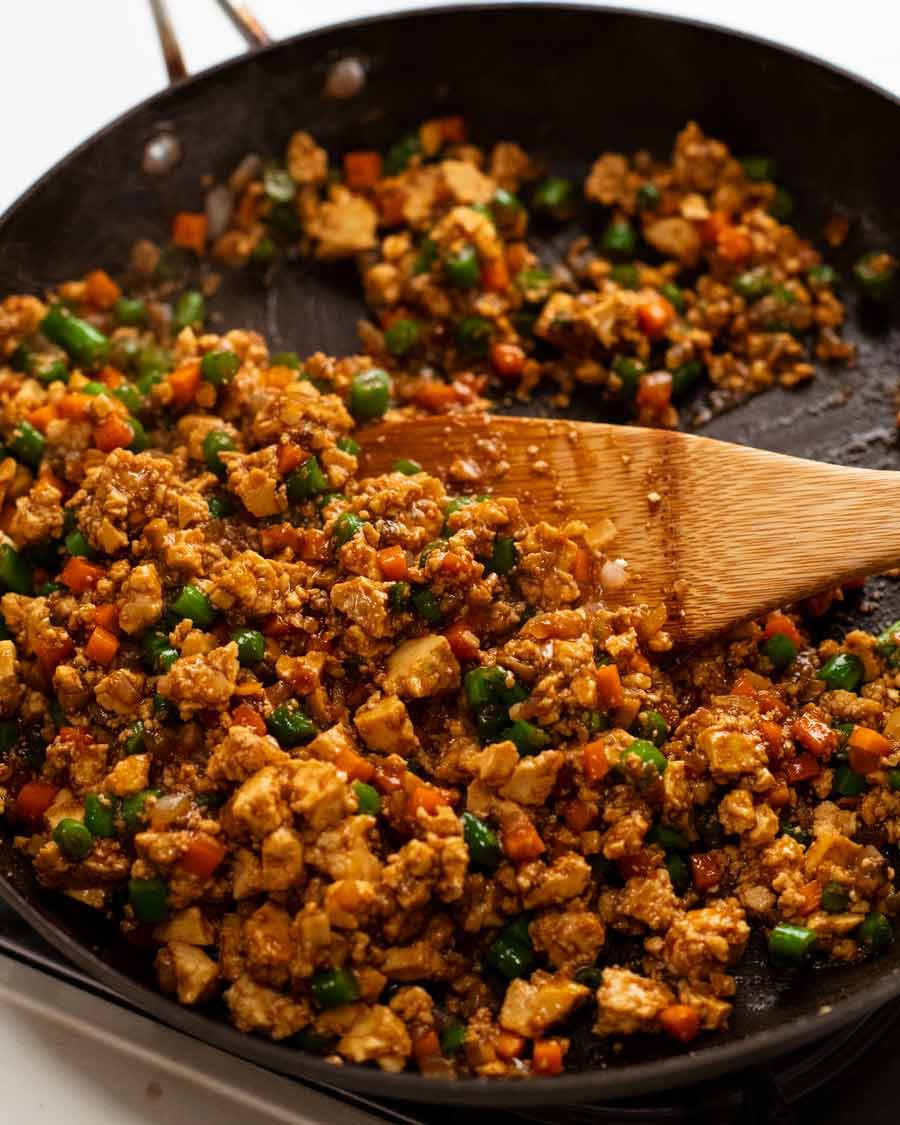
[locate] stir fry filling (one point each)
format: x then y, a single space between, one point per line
369 759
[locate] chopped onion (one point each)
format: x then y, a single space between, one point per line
247 171
167 809
161 154
345 79
613 575
219 206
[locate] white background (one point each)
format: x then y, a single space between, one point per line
66 68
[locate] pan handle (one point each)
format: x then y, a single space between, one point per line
239 14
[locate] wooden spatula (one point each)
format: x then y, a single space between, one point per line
718 532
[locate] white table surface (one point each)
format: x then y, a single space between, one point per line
66 69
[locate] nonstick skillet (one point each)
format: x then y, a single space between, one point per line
566 83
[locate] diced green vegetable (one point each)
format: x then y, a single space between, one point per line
685 376
346 526
790 944
402 336
462 268
474 335
849 783
823 277
407 467
190 310
289 726
888 644
650 757
130 311
367 799
251 646
216 442
528 738
453 1038
78 546
753 284
626 274
131 396
504 556
844 671
619 239
875 931
481 840
348 445
219 367
194 604
780 649
629 371
674 295
99 815
652 727
333 987
27 444
370 394
759 168
398 597
679 875
400 153
72 838
164 709
648 196
15 573
555 197
306 481
149 899
512 953
668 838
893 778
134 740
427 256
159 654
84 343
835 898
591 978
426 605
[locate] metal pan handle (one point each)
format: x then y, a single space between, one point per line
254 34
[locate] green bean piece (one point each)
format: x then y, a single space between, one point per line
53 371
875 931
453 1038
134 808
251 645
219 368
130 311
15 573
504 556
149 899
835 898
652 759
619 239
648 196
463 269
99 815
652 727
333 987
555 197
348 445
512 953
190 309
400 154
407 467
192 603
368 801
629 371
27 445
306 481
780 649
759 168
844 671
370 394
78 546
72 838
427 606
131 396
83 342
346 526
216 442
528 738
402 336
481 840
790 944
289 726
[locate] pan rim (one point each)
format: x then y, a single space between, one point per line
639 1078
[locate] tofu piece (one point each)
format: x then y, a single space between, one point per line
258 805
531 1007
422 667
384 725
187 971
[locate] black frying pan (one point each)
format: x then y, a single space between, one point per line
566 83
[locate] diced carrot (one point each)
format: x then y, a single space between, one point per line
353 765
390 205
113 432
42 416
202 856
314 545
595 759
680 1021
864 738
463 642
453 129
33 800
639 863
734 244
773 736
289 457
184 382
387 776
102 646
547 1057
51 653
111 377
655 316
80 575
362 170
427 797
74 406
579 815
609 686
279 537
713 226
814 735
508 1045
779 624
802 768
100 290
810 896
522 842
451 564
743 685
246 716
581 567
426 1046
107 616
392 563
275 626
706 870
508 360
772 704
494 276
654 390
779 796
189 230
434 395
